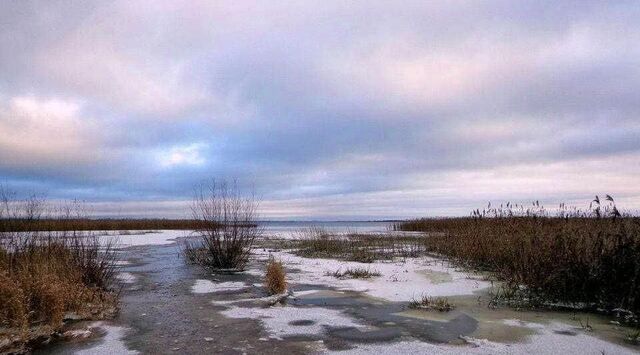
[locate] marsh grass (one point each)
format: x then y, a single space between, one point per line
589 258
440 304
275 277
355 273
102 224
316 242
45 276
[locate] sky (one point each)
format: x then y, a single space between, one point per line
330 110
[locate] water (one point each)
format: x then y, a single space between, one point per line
290 228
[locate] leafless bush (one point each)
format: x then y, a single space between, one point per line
227 227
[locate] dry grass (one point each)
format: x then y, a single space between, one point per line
104 224
365 248
589 258
275 277
45 276
355 273
440 304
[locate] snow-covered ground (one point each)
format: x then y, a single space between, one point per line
111 343
206 286
161 237
400 280
403 280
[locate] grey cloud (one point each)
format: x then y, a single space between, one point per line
315 99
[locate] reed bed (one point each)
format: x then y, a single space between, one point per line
589 259
47 278
317 242
87 224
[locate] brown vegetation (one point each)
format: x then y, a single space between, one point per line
275 277
46 277
316 242
227 227
587 258
355 273
440 304
103 224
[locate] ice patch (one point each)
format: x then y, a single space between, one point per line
111 343
277 319
304 293
126 277
546 341
158 238
206 286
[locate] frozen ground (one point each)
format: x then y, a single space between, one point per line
210 313
161 237
111 343
400 280
206 286
287 321
550 339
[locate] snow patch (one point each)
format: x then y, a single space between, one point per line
206 286
111 343
126 277
400 280
157 238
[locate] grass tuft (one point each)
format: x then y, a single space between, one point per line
275 277
355 273
440 304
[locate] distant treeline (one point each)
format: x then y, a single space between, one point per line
87 224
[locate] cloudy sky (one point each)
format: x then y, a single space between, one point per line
327 109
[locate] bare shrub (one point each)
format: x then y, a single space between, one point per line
227 227
275 277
